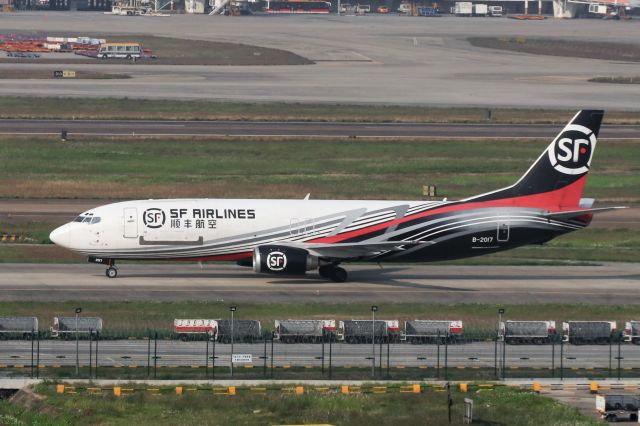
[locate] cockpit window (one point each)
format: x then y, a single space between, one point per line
88 218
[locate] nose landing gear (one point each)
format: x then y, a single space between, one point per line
111 271
333 272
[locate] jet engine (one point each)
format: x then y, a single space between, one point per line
274 259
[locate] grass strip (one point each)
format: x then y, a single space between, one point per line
145 109
499 406
290 168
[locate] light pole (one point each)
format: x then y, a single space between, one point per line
500 313
78 310
374 308
232 309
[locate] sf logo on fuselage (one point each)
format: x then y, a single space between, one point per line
572 151
276 261
153 218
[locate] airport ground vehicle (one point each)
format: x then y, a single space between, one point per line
66 327
495 11
404 8
361 331
21 327
186 327
382 9
291 237
429 331
615 408
363 8
463 8
480 9
581 332
246 331
631 332
535 332
301 330
120 51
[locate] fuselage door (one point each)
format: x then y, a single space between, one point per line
131 222
503 232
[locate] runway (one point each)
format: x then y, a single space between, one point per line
124 353
292 129
609 283
358 59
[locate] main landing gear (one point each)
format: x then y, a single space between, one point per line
333 272
111 271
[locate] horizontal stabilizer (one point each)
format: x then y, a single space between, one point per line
576 213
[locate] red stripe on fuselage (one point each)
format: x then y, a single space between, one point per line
566 198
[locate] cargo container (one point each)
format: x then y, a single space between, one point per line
631 332
301 330
191 327
615 408
532 332
578 332
429 331
66 326
480 9
246 331
463 8
360 331
20 327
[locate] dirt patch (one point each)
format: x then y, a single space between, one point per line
566 48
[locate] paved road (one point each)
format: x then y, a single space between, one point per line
322 129
361 59
612 283
478 354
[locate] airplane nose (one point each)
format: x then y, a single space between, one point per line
60 236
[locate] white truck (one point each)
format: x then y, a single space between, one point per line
185 328
495 11
480 9
631 332
581 332
523 332
66 327
22 327
613 408
424 331
301 330
361 331
463 8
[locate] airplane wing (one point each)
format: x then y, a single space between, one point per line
343 251
576 213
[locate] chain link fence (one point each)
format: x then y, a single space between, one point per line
472 356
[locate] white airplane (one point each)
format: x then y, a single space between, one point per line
292 237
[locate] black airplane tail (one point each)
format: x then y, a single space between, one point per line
556 179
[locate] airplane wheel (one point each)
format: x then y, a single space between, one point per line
325 271
338 275
111 272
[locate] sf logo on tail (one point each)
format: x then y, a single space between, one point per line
572 151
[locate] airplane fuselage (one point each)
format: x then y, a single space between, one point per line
209 229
